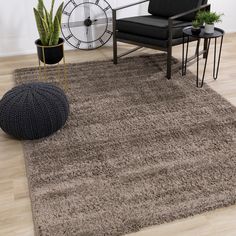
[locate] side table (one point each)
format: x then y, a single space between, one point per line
187 36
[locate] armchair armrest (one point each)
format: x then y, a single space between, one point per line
130 5
206 6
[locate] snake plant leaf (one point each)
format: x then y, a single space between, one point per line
56 32
40 26
49 29
59 12
47 17
51 11
40 8
50 42
46 29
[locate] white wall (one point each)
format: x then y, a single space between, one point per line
16 27
18 30
228 7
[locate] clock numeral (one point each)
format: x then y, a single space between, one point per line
66 13
69 36
90 46
101 41
97 1
65 25
108 31
107 8
78 44
74 3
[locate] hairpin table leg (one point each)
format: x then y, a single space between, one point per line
216 68
185 61
205 65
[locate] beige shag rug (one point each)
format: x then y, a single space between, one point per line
138 150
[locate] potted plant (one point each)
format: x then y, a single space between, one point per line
209 18
50 46
196 27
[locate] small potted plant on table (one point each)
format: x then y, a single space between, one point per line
50 46
196 27
209 18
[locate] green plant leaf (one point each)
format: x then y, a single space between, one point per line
40 8
49 29
47 18
46 29
51 11
209 17
59 12
196 24
41 28
56 32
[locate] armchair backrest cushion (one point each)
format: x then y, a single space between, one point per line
168 8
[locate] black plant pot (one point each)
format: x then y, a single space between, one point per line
196 31
50 54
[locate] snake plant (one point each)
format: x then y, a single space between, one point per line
48 25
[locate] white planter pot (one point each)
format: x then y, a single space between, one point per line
209 29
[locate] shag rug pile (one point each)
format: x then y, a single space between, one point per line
138 150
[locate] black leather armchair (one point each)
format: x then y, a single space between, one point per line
161 30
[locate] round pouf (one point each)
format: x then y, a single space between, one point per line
33 111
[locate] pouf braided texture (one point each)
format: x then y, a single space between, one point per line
33 111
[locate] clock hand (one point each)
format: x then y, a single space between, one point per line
87 22
73 24
89 37
86 9
81 23
102 21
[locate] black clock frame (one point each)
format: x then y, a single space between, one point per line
93 41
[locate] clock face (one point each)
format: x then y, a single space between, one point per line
87 24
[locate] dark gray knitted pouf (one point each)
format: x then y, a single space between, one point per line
33 111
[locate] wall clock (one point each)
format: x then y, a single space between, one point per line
87 24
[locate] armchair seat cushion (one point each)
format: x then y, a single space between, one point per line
150 26
149 42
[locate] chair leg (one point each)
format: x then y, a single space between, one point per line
169 57
115 56
205 48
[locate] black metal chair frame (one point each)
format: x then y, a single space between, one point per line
168 49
